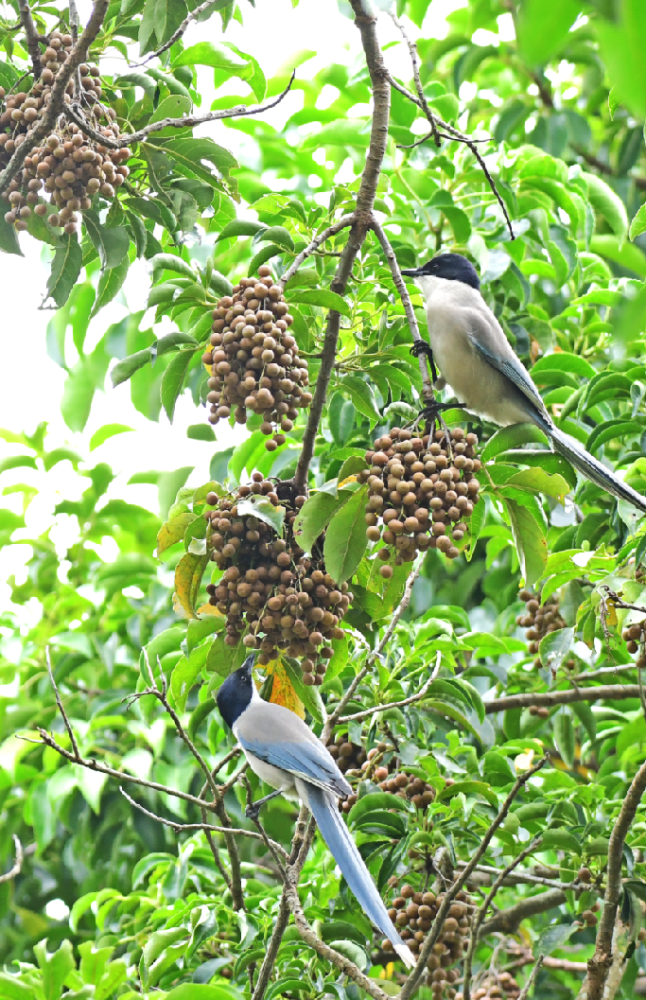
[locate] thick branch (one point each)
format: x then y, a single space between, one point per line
31 35
509 920
45 123
600 963
365 21
400 285
75 114
549 699
410 985
16 868
336 227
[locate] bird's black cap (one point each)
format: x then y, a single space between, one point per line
236 692
452 266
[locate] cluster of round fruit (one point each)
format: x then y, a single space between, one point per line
348 756
255 361
282 599
406 786
421 492
540 711
635 637
496 986
413 914
540 619
68 168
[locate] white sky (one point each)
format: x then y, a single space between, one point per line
31 384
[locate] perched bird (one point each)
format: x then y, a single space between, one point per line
286 754
476 359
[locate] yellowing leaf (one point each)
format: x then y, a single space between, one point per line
188 576
173 531
348 479
282 691
208 609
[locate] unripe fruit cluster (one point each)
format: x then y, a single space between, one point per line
282 599
540 619
68 168
501 986
255 361
635 636
421 493
413 914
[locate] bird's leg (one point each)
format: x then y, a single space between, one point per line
422 347
253 809
432 410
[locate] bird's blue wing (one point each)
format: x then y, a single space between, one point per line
303 759
505 362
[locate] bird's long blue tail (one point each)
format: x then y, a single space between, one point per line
336 835
589 466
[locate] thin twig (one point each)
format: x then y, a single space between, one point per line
400 285
532 976
75 115
16 868
193 827
527 878
46 121
482 913
31 34
93 765
396 704
343 223
410 985
261 830
177 34
68 725
334 716
421 97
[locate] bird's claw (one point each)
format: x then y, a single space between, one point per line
252 812
421 347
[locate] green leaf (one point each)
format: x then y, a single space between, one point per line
638 225
526 522
171 262
66 267
110 284
554 647
622 41
604 201
9 237
173 380
264 510
468 787
78 393
375 802
197 991
189 152
11 988
279 235
322 297
211 54
561 361
542 28
564 736
314 515
542 482
107 431
345 538
111 244
512 437
362 396
350 133
240 227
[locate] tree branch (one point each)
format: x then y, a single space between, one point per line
509 920
600 963
410 985
16 868
336 227
75 114
400 285
68 725
365 21
482 912
32 36
421 97
529 878
193 16
45 123
550 699
532 976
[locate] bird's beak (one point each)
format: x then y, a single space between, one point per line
249 662
413 272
